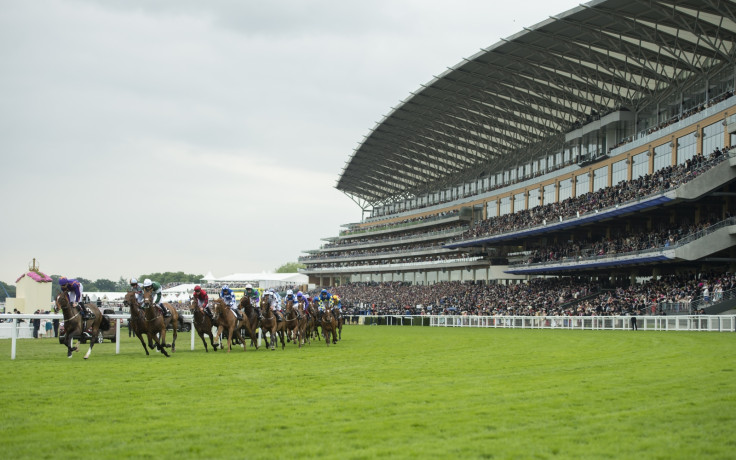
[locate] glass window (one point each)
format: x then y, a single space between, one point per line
600 178
712 138
662 156
533 198
491 209
618 172
565 189
583 185
549 194
640 165
686 147
519 202
505 207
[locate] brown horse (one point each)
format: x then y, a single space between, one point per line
270 325
329 326
203 325
137 322
75 325
312 331
157 323
294 322
227 321
251 326
337 313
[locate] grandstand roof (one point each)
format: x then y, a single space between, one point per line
511 102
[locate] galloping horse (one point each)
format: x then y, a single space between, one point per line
227 320
74 325
203 325
269 324
252 324
137 320
312 330
294 323
329 326
339 320
157 322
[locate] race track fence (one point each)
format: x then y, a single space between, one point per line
19 326
700 323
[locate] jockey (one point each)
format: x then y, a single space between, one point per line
156 287
290 296
323 301
336 303
135 287
203 300
74 292
275 303
253 294
303 301
227 295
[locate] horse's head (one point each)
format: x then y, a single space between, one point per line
147 297
129 300
62 301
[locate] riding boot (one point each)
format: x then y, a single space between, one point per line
278 316
238 314
208 313
164 311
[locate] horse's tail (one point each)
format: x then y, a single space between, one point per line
105 323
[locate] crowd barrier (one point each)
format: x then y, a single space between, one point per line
709 323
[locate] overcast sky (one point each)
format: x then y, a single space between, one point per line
149 136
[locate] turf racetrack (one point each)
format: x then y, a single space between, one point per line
392 392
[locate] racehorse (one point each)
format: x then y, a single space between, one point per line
75 325
137 320
227 321
294 323
270 325
203 325
339 320
329 326
312 330
157 323
251 326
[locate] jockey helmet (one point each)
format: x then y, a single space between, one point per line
133 281
63 281
324 291
289 292
147 283
299 294
225 287
249 286
197 288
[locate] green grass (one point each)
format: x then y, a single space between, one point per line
392 392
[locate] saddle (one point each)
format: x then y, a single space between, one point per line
238 314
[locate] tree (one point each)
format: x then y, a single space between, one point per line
6 288
171 277
290 267
105 285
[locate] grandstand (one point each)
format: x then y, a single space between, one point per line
595 144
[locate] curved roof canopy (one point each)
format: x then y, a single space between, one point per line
513 101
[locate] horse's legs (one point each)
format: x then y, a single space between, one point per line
69 342
140 337
204 342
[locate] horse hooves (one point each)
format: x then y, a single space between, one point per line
69 355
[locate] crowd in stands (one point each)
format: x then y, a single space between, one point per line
625 191
401 223
382 251
375 239
664 237
538 297
448 256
